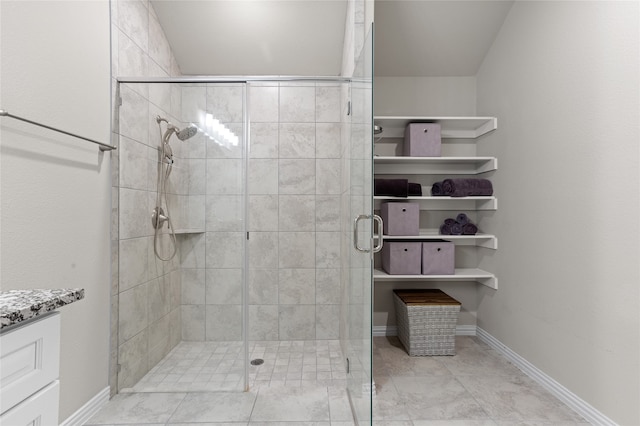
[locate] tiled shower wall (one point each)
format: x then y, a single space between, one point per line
294 214
298 212
145 291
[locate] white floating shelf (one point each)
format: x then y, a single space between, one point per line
451 127
461 274
434 165
445 203
480 240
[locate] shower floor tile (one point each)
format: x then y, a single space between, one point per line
219 366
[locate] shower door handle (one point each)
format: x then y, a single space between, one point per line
355 233
380 242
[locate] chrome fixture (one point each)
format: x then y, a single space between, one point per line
379 238
103 146
165 164
377 129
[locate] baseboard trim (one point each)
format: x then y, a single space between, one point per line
466 330
392 330
87 411
577 404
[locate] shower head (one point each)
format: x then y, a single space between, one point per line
183 135
186 133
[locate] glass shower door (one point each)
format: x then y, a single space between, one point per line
357 336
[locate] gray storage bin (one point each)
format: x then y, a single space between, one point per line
400 218
400 258
422 140
438 258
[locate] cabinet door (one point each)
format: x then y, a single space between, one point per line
40 409
29 359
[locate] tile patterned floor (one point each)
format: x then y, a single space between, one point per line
476 387
218 366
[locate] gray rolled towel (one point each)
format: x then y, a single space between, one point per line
462 219
465 187
436 189
456 229
469 229
445 229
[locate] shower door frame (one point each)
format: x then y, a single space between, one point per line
246 81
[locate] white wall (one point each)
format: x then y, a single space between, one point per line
425 96
55 189
562 78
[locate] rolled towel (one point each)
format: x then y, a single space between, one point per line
469 229
391 187
436 189
467 187
445 229
414 190
449 222
462 219
456 229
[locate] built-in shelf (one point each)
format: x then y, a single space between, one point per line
434 165
479 240
450 127
445 203
461 274
184 231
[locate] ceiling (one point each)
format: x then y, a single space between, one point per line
305 37
435 38
255 37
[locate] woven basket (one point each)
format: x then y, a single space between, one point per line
426 321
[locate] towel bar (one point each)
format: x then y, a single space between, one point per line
103 146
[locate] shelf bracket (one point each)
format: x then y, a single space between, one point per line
489 282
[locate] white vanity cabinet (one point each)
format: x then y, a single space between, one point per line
29 371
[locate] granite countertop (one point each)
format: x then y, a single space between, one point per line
20 305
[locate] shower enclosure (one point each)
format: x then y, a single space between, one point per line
267 286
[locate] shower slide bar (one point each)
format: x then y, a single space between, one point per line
103 146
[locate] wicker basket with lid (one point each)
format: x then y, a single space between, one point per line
426 321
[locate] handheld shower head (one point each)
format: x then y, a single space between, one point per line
186 133
183 135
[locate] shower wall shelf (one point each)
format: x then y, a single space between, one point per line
103 146
461 274
184 231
